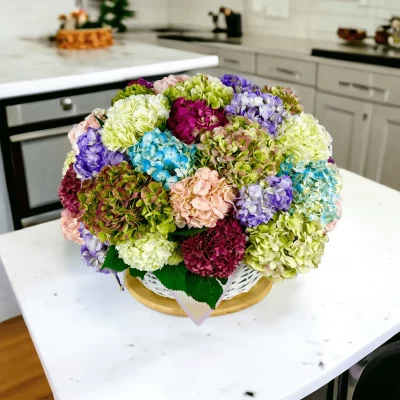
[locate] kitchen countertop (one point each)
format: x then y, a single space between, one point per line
97 343
299 49
32 65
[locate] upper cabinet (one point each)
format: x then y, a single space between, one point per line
348 122
384 147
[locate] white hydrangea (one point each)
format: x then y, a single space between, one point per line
128 119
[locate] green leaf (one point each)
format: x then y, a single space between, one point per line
137 273
204 289
188 232
113 261
100 121
223 280
172 276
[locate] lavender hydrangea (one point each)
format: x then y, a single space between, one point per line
93 252
264 108
257 203
238 83
93 155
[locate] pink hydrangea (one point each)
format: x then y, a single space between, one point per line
70 226
163 84
332 225
188 118
201 200
81 128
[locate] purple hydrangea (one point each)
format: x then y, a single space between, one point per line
93 155
93 252
257 203
264 108
238 83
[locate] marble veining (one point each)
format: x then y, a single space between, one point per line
34 65
97 343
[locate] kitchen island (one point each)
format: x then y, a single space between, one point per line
43 92
97 343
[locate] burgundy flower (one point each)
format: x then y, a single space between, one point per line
188 118
141 81
217 251
68 190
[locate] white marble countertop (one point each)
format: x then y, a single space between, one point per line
96 343
32 65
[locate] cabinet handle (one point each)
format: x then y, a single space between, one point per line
360 86
287 71
365 116
66 104
231 60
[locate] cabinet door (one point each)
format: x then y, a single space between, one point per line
384 147
348 121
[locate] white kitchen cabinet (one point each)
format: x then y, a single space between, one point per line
384 147
348 121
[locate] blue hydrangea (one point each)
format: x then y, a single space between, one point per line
238 83
164 157
316 188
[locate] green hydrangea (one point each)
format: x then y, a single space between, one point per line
120 203
240 151
202 87
128 119
286 245
131 91
290 100
156 209
305 139
149 252
70 159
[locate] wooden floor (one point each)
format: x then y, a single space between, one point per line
21 374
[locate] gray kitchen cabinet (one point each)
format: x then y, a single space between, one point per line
384 147
348 121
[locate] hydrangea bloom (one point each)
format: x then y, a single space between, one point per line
316 188
128 119
161 155
332 225
89 122
238 83
188 118
70 159
240 151
150 252
93 252
68 192
264 108
93 156
257 203
163 84
201 200
217 251
286 245
290 100
70 227
201 87
305 139
141 81
131 90
110 203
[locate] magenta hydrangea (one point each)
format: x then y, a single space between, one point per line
188 118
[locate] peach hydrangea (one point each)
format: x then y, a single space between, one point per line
69 227
171 80
332 225
201 200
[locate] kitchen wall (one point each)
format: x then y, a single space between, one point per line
305 18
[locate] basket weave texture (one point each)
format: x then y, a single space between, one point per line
243 281
82 39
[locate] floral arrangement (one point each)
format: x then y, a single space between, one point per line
190 178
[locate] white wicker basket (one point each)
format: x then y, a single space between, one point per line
243 281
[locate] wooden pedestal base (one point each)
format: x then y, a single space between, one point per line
170 306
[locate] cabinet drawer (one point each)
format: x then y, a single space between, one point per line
287 69
58 108
238 60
